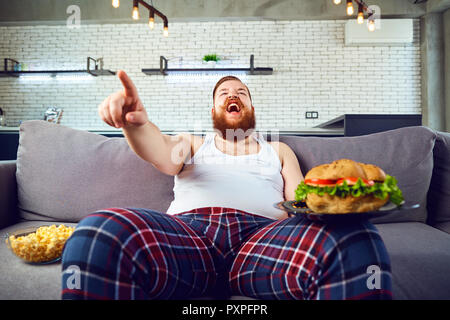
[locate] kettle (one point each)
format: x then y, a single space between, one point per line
52 114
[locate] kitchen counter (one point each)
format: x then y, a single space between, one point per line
9 128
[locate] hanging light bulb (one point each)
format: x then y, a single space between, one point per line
166 29
135 14
151 20
350 9
115 3
360 18
151 23
337 1
371 25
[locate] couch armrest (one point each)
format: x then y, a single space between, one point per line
438 200
8 194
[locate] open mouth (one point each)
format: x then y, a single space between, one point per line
233 108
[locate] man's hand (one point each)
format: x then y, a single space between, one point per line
123 108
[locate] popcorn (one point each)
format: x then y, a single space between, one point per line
43 245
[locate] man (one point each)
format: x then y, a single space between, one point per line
221 235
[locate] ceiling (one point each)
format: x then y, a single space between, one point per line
26 12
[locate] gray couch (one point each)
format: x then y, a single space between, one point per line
62 174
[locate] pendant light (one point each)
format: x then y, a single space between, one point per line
371 23
151 21
360 18
135 14
361 8
350 9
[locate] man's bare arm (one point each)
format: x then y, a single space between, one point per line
166 153
291 172
124 109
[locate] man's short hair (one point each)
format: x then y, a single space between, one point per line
226 78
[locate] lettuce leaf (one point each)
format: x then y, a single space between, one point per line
379 190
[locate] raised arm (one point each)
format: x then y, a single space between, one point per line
125 110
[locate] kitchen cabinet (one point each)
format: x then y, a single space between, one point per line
361 124
9 142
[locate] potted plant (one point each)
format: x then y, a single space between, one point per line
211 60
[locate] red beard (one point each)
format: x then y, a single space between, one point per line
239 129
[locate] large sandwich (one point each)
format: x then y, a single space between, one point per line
346 186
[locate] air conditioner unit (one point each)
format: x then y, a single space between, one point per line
390 32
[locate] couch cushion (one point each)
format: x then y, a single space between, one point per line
420 260
439 193
64 174
405 153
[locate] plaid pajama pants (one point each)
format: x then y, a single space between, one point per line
132 253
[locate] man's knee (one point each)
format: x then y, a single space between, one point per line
111 225
357 239
357 254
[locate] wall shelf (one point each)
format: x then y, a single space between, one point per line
53 73
164 70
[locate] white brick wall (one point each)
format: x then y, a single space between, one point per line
313 71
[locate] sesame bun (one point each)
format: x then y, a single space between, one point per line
345 168
317 172
373 172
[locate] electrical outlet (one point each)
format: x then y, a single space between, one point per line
311 114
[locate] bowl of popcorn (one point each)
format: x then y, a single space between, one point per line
39 245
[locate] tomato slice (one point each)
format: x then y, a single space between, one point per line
352 181
328 182
320 182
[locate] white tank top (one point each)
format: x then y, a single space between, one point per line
212 178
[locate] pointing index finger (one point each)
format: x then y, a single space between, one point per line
130 88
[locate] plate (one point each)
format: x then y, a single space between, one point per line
299 208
